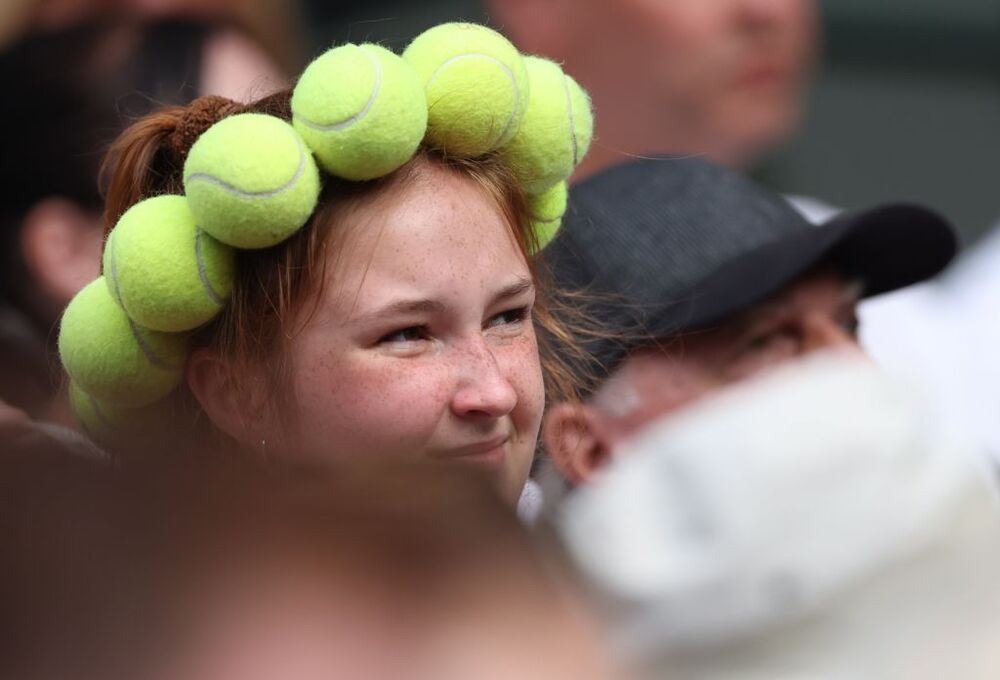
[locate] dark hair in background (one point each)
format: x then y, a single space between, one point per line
67 95
70 93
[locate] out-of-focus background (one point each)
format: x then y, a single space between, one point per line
904 106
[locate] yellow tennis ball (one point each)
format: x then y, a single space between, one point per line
361 109
556 131
91 414
251 181
547 210
113 359
107 423
168 274
476 86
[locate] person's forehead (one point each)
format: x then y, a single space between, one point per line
439 234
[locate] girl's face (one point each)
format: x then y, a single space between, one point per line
422 343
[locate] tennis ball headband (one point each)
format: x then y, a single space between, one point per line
252 180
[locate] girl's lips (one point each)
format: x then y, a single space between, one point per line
490 452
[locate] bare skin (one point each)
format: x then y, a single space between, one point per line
421 346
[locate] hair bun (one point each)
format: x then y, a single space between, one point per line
198 116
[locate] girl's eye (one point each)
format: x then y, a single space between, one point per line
511 316
411 334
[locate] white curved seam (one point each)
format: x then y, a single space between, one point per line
101 416
506 69
240 193
116 291
147 350
203 269
348 122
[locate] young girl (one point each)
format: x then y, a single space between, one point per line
399 316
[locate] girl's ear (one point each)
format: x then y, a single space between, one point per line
576 441
224 398
61 247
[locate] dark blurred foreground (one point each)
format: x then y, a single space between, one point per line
232 569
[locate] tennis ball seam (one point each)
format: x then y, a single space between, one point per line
213 294
99 412
115 290
360 115
507 71
206 283
242 193
144 347
572 122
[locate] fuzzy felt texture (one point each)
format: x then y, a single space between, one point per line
168 274
251 181
556 131
476 86
107 423
548 209
111 358
361 109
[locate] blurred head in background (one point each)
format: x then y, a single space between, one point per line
243 572
720 78
382 574
270 26
69 92
702 279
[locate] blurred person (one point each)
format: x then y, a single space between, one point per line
263 31
720 78
18 430
223 568
66 575
811 522
380 574
69 92
699 278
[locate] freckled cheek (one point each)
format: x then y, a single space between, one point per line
523 369
371 402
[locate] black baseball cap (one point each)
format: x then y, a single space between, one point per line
661 246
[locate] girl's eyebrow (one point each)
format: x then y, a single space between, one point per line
428 306
519 287
403 307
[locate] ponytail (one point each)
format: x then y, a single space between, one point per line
148 158
141 163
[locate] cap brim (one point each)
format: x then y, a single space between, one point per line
885 248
